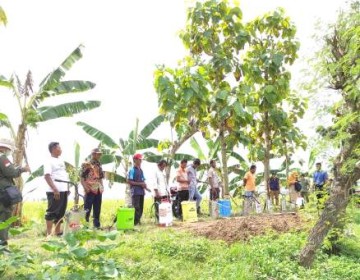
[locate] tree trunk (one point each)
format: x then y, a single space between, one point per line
334 206
225 185
267 152
18 161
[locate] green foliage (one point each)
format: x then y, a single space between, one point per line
172 253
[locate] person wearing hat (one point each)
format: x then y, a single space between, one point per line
136 180
7 174
57 192
292 179
92 177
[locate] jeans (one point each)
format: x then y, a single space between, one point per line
194 194
93 201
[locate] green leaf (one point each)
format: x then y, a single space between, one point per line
3 18
196 146
151 126
222 94
238 108
72 87
53 79
66 110
35 174
8 222
80 252
99 135
5 82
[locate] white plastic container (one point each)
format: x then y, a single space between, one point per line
165 214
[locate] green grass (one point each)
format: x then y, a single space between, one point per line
151 252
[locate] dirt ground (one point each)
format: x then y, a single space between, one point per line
242 228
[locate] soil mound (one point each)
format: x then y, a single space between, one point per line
242 228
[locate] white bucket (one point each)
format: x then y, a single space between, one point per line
214 209
74 219
165 214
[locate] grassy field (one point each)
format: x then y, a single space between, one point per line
151 252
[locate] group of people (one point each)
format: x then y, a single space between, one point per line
299 186
92 175
186 179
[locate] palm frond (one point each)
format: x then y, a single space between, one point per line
66 110
52 80
99 135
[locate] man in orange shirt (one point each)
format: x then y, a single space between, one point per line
250 186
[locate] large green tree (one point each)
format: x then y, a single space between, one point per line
338 65
29 100
205 89
273 48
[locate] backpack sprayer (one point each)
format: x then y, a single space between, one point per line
76 215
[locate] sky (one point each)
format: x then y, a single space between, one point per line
124 41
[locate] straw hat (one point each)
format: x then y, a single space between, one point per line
7 143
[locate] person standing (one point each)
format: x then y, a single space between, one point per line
292 179
305 185
160 186
7 174
194 193
274 185
183 184
92 177
320 178
136 180
214 181
57 192
250 186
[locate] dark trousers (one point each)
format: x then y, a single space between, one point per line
138 204
214 194
56 208
93 201
182 196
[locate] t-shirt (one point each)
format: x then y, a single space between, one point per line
250 181
136 174
213 177
55 167
191 172
320 177
160 182
182 174
274 184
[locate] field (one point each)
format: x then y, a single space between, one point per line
256 247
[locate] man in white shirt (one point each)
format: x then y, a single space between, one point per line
214 181
160 186
57 192
194 193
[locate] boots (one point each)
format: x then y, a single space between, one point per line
198 211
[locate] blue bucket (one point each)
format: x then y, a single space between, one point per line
224 208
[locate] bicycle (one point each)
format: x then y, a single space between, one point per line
254 204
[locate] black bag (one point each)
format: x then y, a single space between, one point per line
298 186
10 195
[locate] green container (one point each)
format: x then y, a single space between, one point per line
125 218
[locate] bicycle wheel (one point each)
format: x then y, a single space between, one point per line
152 213
263 202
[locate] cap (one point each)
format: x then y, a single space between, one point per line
137 156
7 143
96 151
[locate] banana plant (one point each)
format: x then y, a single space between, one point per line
29 101
3 18
120 153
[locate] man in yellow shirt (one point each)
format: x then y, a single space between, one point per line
250 187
